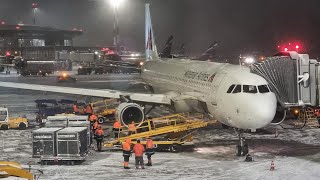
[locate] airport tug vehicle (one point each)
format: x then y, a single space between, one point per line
11 123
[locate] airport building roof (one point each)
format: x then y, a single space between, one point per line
30 31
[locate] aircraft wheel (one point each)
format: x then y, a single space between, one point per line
22 126
101 120
238 150
245 150
175 148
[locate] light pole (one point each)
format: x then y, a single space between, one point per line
34 11
115 5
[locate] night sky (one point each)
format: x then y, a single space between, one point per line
237 25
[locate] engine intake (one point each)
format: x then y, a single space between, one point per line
128 112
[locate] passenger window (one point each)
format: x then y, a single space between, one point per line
263 89
250 89
231 88
237 89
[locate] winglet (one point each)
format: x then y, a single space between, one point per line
151 48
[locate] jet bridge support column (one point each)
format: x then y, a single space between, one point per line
307 80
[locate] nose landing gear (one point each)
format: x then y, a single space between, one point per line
242 148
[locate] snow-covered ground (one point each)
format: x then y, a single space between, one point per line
296 154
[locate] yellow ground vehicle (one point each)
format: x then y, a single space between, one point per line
12 169
11 123
104 109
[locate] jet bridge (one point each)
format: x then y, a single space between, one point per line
292 77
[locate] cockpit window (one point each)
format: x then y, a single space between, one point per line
237 89
263 89
231 88
250 89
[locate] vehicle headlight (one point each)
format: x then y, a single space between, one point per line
249 60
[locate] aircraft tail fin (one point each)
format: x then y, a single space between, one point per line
166 52
151 48
182 50
209 52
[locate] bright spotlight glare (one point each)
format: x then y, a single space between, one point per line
249 60
141 63
116 3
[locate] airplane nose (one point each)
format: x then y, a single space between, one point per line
265 110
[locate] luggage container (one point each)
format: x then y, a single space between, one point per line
72 143
44 142
86 124
56 121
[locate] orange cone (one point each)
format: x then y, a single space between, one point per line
272 167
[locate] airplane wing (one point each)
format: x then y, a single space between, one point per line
106 93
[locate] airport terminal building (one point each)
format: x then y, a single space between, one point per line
35 42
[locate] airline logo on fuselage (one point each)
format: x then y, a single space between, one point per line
149 41
202 76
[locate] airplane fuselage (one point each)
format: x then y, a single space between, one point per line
210 82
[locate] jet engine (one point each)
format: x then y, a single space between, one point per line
128 112
279 117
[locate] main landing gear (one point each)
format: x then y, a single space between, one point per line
242 148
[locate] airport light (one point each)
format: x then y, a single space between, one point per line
115 5
35 8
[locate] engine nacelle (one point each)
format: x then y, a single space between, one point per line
128 112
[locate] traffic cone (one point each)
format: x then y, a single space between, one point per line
272 167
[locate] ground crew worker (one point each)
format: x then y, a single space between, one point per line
75 109
88 110
132 128
116 129
126 151
272 167
93 118
138 150
95 127
99 137
149 150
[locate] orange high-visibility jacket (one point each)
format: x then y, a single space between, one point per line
75 108
93 117
117 125
89 109
126 146
95 125
99 132
149 144
138 149
132 127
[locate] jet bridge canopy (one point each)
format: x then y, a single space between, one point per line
292 78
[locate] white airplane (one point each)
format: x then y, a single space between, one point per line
229 93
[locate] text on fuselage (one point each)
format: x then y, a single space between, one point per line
202 76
